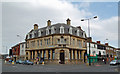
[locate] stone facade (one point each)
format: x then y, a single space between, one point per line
62 46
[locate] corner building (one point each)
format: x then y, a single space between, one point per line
57 43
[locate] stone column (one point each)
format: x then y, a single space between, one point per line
75 54
46 54
83 52
28 54
51 54
79 54
32 54
71 54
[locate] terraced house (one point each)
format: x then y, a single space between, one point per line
57 43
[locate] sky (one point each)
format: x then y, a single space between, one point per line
18 19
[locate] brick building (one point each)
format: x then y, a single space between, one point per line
16 52
57 43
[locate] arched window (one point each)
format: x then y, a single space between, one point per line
39 33
84 35
70 30
47 31
78 33
61 29
52 30
32 34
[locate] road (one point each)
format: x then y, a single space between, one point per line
57 68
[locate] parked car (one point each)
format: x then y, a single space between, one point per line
10 60
115 62
19 62
27 62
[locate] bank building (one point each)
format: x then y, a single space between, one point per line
57 43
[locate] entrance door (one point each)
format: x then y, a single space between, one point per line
62 57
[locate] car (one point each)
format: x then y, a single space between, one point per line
27 62
10 60
19 62
114 62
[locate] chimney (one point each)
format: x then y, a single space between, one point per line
98 42
106 44
35 26
48 23
68 21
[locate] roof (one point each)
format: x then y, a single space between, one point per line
57 26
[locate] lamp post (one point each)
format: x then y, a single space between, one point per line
88 19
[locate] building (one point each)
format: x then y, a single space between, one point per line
57 43
118 53
3 56
16 52
22 50
10 52
93 51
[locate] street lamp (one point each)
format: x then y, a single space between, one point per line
89 34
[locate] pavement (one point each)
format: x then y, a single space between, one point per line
8 67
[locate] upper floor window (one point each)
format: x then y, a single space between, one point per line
52 30
22 45
41 42
32 34
70 30
61 29
84 35
77 32
39 33
47 31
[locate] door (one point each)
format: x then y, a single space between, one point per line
62 57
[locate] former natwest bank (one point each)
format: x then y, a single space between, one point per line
57 43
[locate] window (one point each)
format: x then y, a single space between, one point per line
84 35
38 43
47 31
58 40
61 29
52 30
62 39
77 32
47 41
73 41
48 54
32 34
70 30
38 53
33 43
39 33
53 54
80 43
44 54
26 53
69 54
84 44
22 45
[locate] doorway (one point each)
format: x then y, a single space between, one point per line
62 57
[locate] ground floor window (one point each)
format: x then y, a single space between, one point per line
48 54
69 54
53 54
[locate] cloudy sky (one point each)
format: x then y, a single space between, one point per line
18 19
